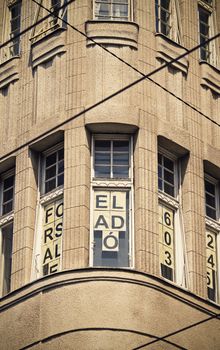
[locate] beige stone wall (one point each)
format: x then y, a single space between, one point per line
59 77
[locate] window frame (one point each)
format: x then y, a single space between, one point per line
111 3
44 199
13 50
174 204
174 22
212 48
6 220
213 226
99 184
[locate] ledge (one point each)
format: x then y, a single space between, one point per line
167 50
74 306
9 71
112 33
47 47
210 77
113 119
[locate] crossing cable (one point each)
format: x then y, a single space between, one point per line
109 97
178 331
96 104
134 68
33 25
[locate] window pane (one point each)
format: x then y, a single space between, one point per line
7 208
61 167
7 195
209 187
9 182
51 159
61 154
211 213
102 171
160 184
169 189
120 146
60 179
102 158
120 158
51 172
168 176
210 200
50 185
169 164
7 235
102 146
120 172
120 10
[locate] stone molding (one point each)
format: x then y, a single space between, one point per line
47 47
9 72
210 77
112 33
167 50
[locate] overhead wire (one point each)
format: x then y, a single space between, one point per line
134 68
178 331
105 99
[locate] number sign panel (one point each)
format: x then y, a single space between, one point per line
166 242
111 228
52 237
211 264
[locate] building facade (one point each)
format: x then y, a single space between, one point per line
109 189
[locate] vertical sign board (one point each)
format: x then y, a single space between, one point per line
52 237
166 241
111 228
211 264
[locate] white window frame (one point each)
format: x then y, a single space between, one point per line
42 201
175 31
174 204
113 184
212 23
214 226
112 18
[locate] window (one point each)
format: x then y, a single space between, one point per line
207 21
52 23
111 239
11 28
48 236
15 20
168 20
212 237
113 10
6 230
171 239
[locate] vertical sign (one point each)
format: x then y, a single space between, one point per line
211 264
110 224
166 242
52 237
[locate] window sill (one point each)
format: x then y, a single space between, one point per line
210 77
167 50
9 71
112 33
46 47
4 219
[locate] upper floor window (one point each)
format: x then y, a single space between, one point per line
168 21
53 169
11 29
15 21
6 230
7 193
114 10
207 29
171 242
59 10
111 158
211 198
